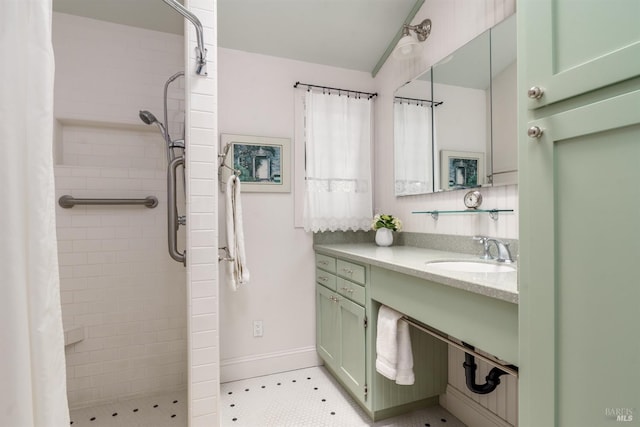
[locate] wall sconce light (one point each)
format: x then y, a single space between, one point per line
409 45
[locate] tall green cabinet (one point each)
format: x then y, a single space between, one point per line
579 174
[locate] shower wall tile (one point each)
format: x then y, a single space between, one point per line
202 233
117 280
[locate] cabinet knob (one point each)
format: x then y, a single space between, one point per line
534 132
535 92
323 278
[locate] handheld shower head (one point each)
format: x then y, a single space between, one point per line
148 117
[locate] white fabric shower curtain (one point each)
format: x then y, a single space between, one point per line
412 148
338 192
32 361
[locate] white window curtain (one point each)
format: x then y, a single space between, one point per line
412 148
338 194
33 389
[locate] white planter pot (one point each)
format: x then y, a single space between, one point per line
384 237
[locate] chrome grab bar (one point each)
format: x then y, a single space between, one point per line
201 52
67 201
172 211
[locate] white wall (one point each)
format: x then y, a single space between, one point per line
256 97
118 285
455 22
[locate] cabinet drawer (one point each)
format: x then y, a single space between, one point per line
326 263
351 290
326 279
353 272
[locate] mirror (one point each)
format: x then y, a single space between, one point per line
504 153
455 124
412 135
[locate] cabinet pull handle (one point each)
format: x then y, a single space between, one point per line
534 132
350 291
323 263
323 278
347 271
345 289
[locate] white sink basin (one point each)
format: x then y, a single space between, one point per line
471 266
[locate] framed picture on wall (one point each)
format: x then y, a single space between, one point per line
261 163
461 169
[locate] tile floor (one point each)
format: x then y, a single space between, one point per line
308 398
303 398
163 410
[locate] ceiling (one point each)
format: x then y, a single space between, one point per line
352 34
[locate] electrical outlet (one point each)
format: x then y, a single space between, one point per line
257 328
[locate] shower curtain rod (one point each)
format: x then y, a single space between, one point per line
433 103
370 95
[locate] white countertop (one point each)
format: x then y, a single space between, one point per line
414 262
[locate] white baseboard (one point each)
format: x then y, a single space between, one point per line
240 368
469 411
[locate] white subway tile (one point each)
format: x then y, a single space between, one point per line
201 306
204 389
207 420
204 373
204 339
200 407
203 289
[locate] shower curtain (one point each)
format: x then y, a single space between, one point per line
32 361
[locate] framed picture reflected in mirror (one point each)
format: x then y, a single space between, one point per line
461 169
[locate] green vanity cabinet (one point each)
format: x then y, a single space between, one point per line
327 326
340 325
345 341
579 213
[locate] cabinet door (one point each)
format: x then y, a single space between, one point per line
579 250
352 347
572 47
327 325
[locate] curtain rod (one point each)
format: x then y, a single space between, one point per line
433 103
370 95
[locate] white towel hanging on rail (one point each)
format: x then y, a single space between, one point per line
394 357
237 271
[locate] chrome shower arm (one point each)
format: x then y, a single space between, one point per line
168 139
201 52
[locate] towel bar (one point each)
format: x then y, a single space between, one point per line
510 369
227 257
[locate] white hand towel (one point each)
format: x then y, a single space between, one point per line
237 271
394 358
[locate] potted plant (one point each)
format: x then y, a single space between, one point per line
385 225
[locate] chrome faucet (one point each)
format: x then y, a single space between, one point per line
483 240
504 255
